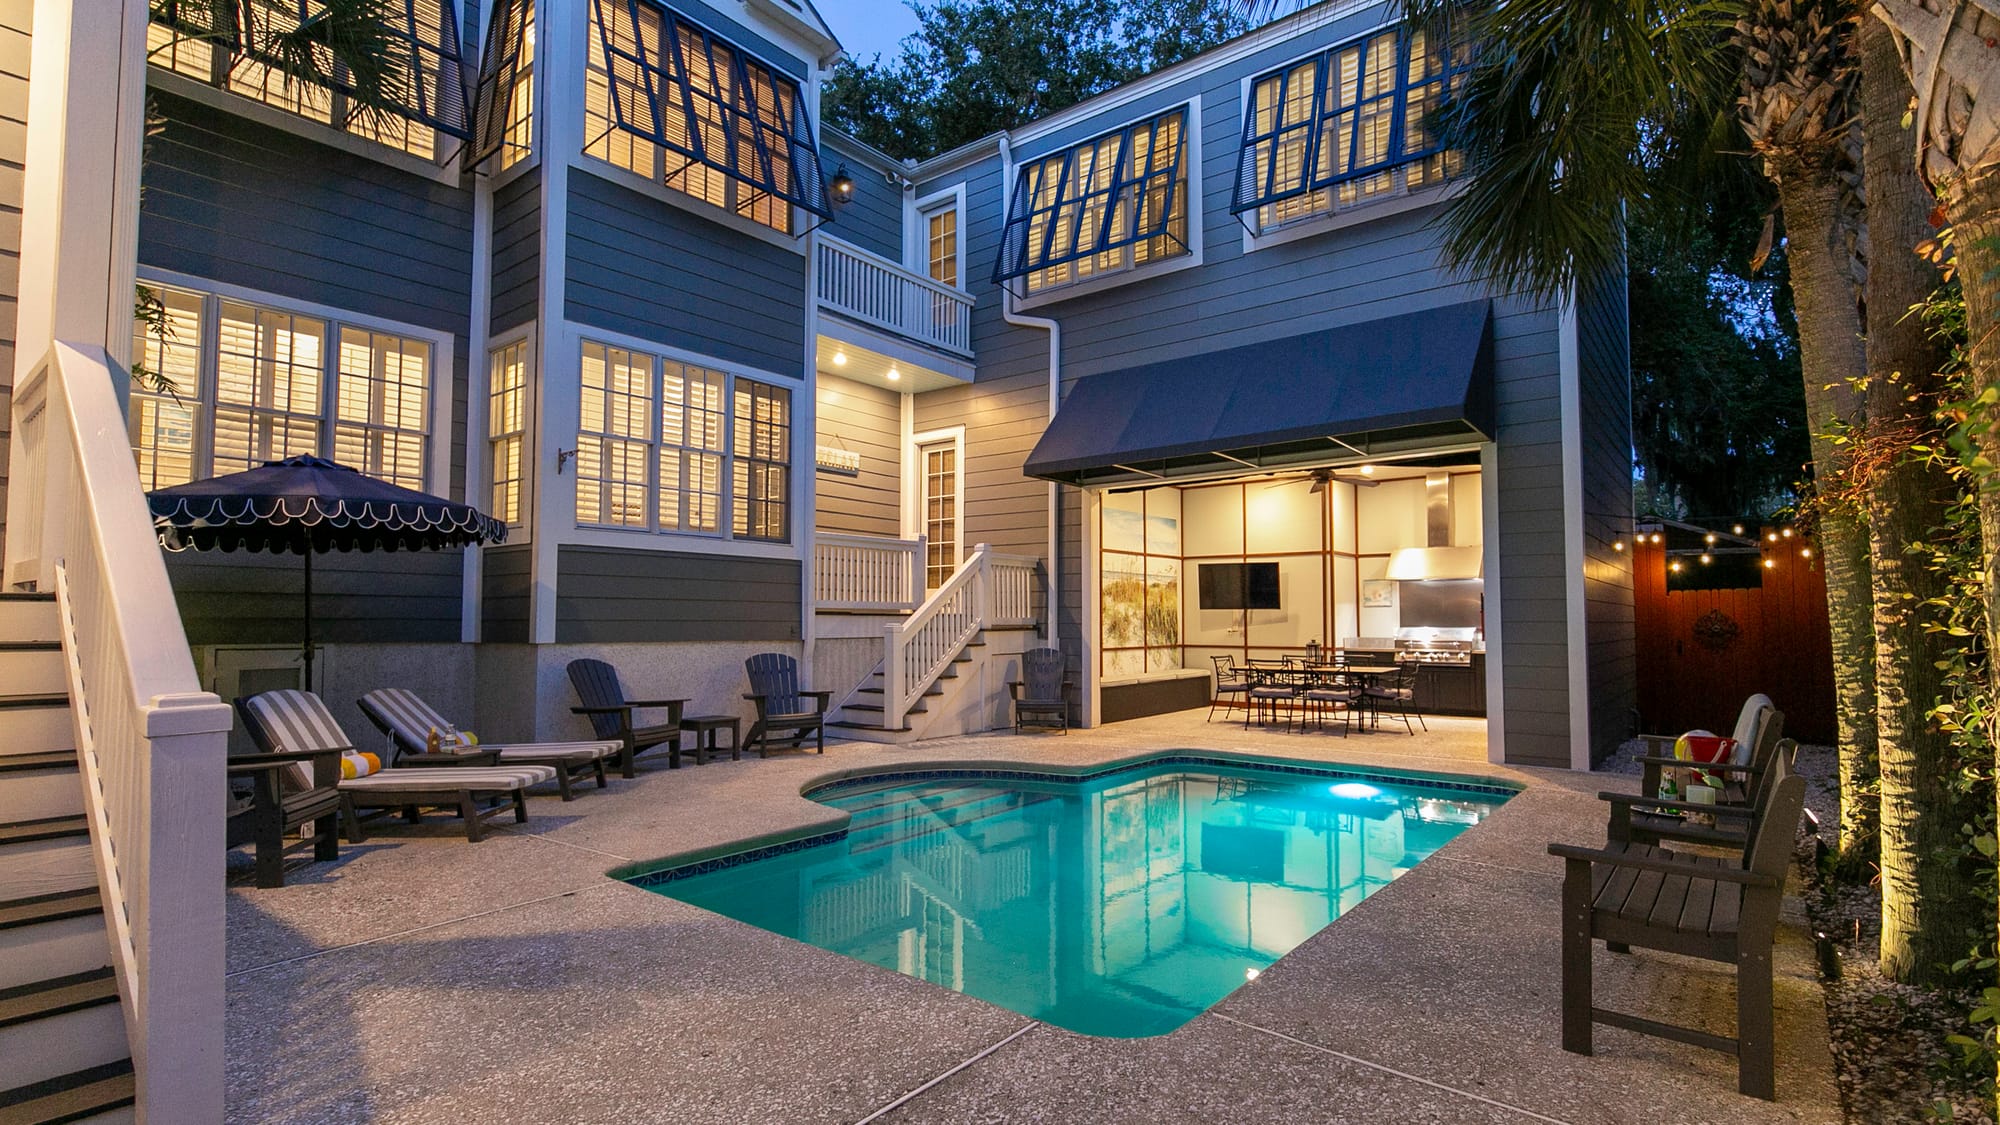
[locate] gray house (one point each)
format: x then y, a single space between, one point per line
1173 375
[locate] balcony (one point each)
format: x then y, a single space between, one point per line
874 291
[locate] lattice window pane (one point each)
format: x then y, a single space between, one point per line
506 428
269 369
164 425
762 475
1078 212
381 406
693 416
506 95
614 451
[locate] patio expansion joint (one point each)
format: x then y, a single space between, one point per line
1393 1072
442 922
911 1095
511 830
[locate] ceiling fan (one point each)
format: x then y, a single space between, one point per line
1320 478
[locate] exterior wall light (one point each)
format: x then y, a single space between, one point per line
842 186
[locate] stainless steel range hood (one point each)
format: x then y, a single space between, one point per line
1439 559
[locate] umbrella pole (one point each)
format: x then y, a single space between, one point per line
309 617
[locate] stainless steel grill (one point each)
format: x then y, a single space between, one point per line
1435 646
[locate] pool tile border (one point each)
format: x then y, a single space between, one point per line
672 872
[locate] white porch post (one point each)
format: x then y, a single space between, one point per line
80 211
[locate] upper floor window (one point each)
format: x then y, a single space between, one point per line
674 103
1114 202
722 444
506 102
941 242
1354 123
507 431
253 383
399 83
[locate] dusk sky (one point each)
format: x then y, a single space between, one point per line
868 27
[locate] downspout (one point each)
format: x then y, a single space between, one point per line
1054 330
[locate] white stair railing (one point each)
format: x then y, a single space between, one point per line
877 291
865 573
988 590
151 744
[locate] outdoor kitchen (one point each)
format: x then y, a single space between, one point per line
1379 563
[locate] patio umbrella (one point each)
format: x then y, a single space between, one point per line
305 505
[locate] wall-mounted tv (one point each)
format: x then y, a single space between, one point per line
1239 585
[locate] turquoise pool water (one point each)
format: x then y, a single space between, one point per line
1122 905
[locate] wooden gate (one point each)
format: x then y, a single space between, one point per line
1702 651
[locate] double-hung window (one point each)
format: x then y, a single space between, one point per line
669 100
1114 202
415 102
1354 123
941 242
252 383
672 446
507 431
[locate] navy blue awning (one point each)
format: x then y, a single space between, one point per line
1403 383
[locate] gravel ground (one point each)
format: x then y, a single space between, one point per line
1891 1061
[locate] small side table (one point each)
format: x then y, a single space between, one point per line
704 728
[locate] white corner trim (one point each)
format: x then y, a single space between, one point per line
1496 669
1577 646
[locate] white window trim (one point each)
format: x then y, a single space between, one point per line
1191 192
437 473
182 86
917 236
522 530
722 541
913 505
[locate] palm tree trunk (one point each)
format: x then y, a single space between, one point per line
1833 357
1928 905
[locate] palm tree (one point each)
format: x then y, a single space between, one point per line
352 45
1582 105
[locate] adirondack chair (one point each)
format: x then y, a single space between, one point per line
1758 727
265 813
1713 908
774 689
1041 695
1639 819
603 702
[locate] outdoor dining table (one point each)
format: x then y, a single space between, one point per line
1360 677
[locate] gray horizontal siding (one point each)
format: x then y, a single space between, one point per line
608 594
234 201
647 268
517 250
868 421
506 587
874 219
383 596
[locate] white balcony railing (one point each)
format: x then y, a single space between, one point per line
867 574
874 290
150 743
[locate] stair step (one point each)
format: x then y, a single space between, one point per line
72 1097
56 1046
32 668
50 908
847 725
36 726
71 993
26 596
69 943
46 867
48 828
918 708
44 760
30 619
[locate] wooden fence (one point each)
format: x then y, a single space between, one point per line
1702 651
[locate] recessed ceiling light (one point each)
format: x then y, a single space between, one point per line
840 359
1367 470
894 374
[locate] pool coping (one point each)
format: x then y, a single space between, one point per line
671 868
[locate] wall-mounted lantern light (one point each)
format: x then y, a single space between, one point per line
843 185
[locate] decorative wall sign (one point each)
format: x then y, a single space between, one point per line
1378 593
838 461
1716 630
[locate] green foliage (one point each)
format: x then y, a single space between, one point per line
1718 413
150 314
348 43
974 67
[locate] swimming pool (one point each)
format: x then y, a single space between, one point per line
1119 904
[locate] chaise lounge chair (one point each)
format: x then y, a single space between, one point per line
603 702
293 722
408 721
774 691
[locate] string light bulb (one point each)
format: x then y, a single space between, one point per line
1674 566
1709 538
1618 545
1787 533
1770 564
1805 552
1707 558
1771 536
1736 529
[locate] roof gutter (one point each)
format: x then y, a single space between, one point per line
1054 329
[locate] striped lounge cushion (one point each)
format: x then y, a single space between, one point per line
451 779
570 752
292 721
409 721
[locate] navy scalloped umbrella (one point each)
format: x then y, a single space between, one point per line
305 505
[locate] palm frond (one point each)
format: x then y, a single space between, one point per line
351 45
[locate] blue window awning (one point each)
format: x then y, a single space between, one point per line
1403 383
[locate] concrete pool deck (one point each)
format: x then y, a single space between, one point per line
424 979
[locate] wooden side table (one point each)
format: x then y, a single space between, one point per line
704 728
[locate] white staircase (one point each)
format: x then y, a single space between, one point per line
945 668
63 1049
